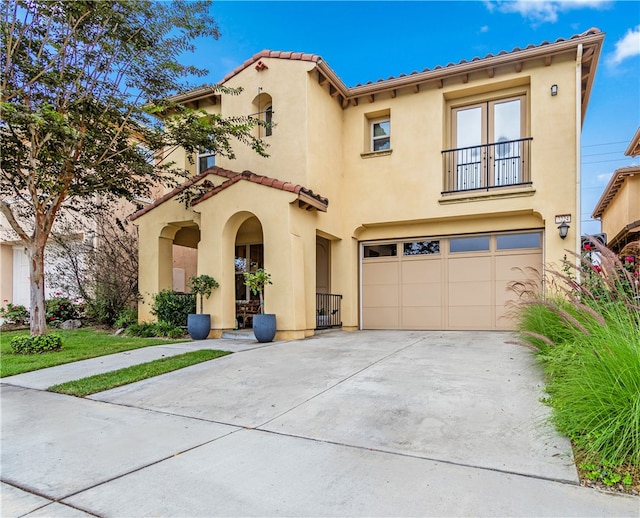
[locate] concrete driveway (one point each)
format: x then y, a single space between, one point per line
342 424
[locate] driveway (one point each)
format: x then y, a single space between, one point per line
343 424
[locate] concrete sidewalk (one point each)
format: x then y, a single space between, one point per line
343 424
44 378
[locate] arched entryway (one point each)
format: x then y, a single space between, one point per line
248 257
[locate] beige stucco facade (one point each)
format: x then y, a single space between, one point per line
341 191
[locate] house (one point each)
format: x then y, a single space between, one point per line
619 205
405 203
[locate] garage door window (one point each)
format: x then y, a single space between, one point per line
513 241
469 244
422 248
390 250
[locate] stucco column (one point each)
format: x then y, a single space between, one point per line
155 273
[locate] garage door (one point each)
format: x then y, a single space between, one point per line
459 282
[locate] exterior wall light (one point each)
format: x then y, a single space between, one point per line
554 90
563 229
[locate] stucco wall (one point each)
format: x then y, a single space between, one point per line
624 208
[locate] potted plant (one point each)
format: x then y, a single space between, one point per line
199 324
264 325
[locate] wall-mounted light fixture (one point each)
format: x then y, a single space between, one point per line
563 229
554 90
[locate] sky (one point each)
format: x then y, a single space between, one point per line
365 41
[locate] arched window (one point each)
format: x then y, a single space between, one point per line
268 118
263 105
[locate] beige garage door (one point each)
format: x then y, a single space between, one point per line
448 283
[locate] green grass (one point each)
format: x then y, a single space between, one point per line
108 380
78 344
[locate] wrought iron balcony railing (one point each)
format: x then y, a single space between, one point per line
488 166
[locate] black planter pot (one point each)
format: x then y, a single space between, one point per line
199 326
264 327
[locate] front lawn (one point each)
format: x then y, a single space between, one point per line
78 344
108 380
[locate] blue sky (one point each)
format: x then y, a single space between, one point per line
364 41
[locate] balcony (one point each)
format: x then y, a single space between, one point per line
487 167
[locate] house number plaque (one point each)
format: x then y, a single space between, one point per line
563 218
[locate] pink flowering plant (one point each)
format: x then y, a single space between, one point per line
14 314
61 308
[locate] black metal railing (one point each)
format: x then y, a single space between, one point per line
487 166
328 310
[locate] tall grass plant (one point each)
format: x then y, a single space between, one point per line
587 336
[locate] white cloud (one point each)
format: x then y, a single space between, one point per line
604 178
542 11
484 28
626 47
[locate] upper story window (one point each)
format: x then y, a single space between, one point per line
490 147
380 134
268 119
206 159
263 111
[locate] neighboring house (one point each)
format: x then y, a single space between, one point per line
79 233
14 265
415 199
619 205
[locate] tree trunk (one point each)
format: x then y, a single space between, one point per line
37 316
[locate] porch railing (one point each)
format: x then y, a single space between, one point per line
328 310
488 166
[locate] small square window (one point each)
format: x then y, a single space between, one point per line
206 159
380 134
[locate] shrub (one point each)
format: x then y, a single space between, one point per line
59 309
589 345
36 344
126 317
161 329
13 314
173 308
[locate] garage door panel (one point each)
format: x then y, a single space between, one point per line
506 317
504 293
476 293
422 294
381 318
517 267
470 317
422 270
470 269
381 272
380 295
422 317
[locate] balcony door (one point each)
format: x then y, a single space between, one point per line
489 152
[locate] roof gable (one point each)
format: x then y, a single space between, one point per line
307 199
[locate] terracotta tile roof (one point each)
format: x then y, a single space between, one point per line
306 197
515 50
169 195
613 187
593 37
296 56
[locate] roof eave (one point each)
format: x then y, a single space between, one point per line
634 145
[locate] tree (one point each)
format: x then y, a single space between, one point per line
82 86
101 269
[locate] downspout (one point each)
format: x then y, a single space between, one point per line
578 238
